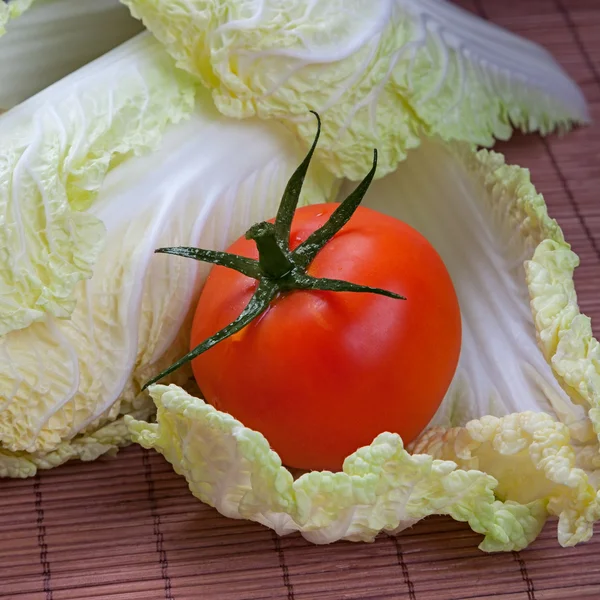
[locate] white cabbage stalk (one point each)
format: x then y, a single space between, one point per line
53 38
381 73
513 441
99 170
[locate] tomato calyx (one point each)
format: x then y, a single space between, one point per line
279 269
274 261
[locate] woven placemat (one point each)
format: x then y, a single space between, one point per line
128 529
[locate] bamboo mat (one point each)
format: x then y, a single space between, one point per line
128 529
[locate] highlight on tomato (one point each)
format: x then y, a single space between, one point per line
325 327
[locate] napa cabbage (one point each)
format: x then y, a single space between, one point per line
189 137
515 439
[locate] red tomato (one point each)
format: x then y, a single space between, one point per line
320 374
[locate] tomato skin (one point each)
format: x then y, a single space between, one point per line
321 374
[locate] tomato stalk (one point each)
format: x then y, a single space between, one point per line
273 260
279 269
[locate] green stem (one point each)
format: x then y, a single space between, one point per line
257 305
291 195
305 253
273 261
337 285
243 265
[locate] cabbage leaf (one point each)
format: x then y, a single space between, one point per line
381 74
56 150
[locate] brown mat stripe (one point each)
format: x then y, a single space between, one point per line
128 529
157 530
41 537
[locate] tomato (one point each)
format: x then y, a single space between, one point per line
322 373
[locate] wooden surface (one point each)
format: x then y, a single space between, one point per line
128 529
